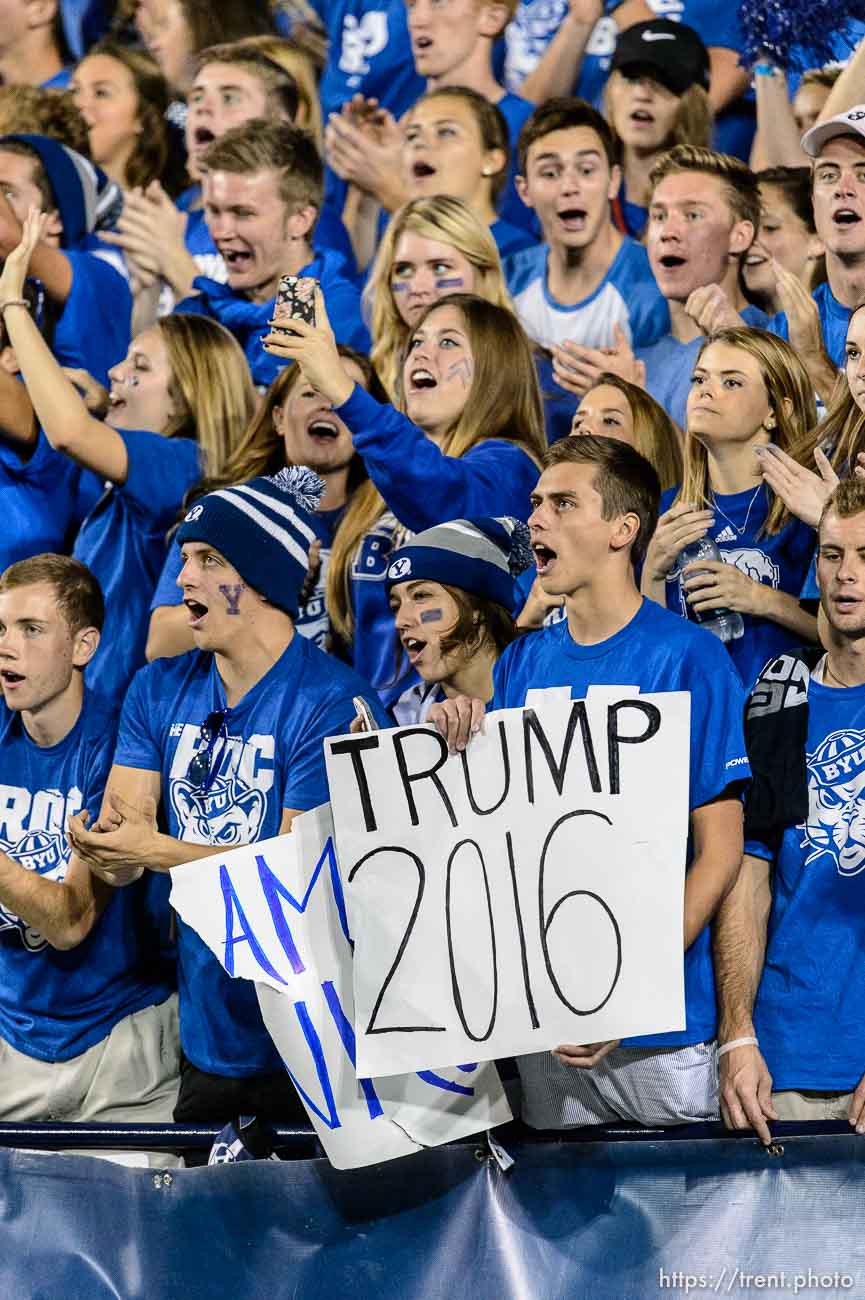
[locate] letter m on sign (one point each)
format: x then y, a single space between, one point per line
277 894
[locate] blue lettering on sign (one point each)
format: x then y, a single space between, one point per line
232 905
345 1029
274 890
447 1085
313 1042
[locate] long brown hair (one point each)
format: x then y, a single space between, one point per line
656 436
791 397
148 158
504 401
210 385
841 433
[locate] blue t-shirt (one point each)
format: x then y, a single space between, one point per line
779 561
627 296
633 217
330 234
511 239
834 319
312 620
123 541
249 321
808 1013
670 366
369 53
94 329
421 487
54 1005
273 759
516 111
533 27
42 501
656 653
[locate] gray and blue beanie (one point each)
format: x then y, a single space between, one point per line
483 556
264 528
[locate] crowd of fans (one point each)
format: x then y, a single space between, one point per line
581 401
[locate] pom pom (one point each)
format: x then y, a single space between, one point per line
302 483
520 555
778 29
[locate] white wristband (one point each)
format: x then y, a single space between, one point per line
737 1042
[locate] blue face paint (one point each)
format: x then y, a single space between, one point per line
431 616
232 596
400 286
461 370
456 282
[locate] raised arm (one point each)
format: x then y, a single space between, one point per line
777 142
59 408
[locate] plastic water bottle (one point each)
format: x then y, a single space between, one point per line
726 624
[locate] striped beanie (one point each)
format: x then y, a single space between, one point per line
483 556
264 528
87 200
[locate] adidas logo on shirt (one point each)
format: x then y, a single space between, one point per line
726 535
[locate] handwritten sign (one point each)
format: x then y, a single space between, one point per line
525 893
273 912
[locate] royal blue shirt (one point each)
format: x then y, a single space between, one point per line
511 239
94 329
808 1013
533 27
273 760
780 561
670 366
42 501
421 487
627 296
656 653
516 111
54 1005
312 620
834 319
249 321
123 541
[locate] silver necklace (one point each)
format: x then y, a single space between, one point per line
738 531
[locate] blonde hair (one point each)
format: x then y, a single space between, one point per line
448 221
210 385
31 110
693 121
298 63
841 433
261 145
504 401
655 434
786 382
739 182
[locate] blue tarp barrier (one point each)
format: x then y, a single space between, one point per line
626 1220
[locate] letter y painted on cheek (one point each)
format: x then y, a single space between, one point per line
232 595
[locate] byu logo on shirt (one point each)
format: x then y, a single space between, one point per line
46 853
361 41
232 810
400 568
753 563
836 802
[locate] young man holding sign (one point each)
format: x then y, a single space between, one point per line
229 737
594 510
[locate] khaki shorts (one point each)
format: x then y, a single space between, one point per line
131 1077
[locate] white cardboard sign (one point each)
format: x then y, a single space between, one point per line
273 913
523 894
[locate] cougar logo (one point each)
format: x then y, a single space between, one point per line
362 40
836 802
753 563
229 814
46 853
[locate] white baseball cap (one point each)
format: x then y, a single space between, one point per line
850 123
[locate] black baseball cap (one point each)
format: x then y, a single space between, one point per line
671 53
